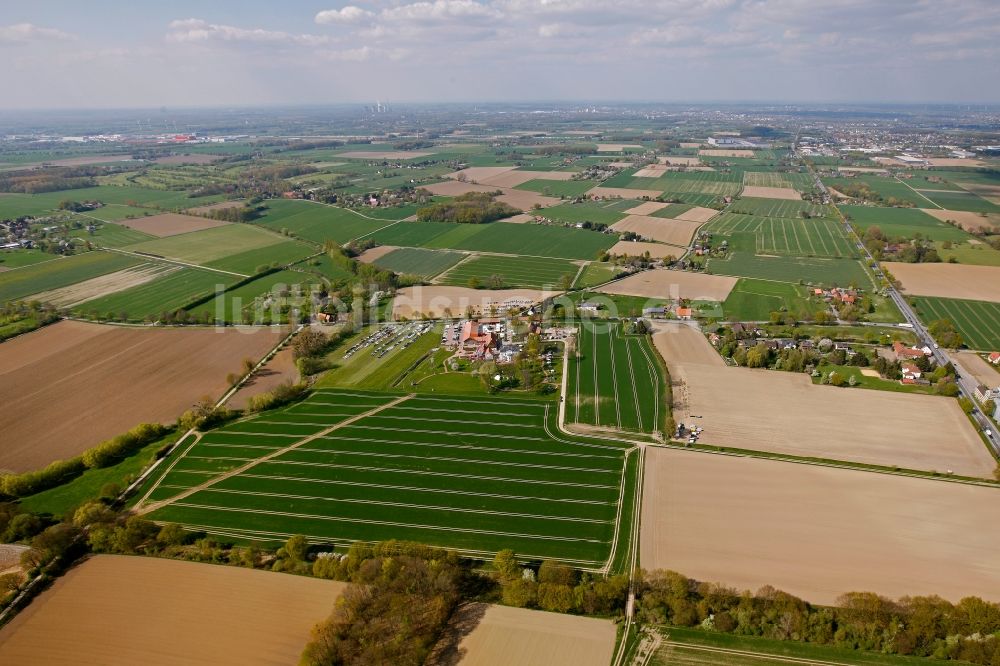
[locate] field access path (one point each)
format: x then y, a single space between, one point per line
142 509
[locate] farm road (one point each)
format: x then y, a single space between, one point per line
149 508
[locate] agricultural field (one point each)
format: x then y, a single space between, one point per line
975 283
231 245
587 211
615 382
595 273
887 188
818 237
558 188
170 224
502 635
266 299
811 270
418 261
526 239
172 291
816 532
62 272
112 235
531 272
10 259
934 436
755 300
282 253
902 223
71 385
978 322
960 200
662 283
449 301
318 223
473 474
778 208
168 612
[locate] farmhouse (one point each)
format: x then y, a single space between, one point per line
903 352
994 358
480 338
682 312
910 370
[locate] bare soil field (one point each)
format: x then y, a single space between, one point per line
375 253
647 208
84 161
771 192
81 292
615 147
638 248
436 300
222 205
709 152
952 162
691 144
479 174
195 158
508 176
487 635
789 414
698 214
979 283
524 200
71 385
651 171
663 283
168 612
966 219
170 224
519 219
680 161
278 370
663 229
384 154
979 368
453 188
623 193
989 192
682 342
817 532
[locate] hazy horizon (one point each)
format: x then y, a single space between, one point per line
255 54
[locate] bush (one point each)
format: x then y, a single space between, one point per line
29 483
281 395
114 450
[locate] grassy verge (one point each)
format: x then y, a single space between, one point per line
763 649
62 499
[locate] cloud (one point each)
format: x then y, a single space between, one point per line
198 30
441 11
348 14
28 32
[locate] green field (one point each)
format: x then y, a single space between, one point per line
11 259
415 234
171 292
587 211
61 273
755 300
260 299
615 381
367 370
16 205
419 261
283 253
808 270
958 200
978 254
318 223
558 188
473 474
778 207
977 321
819 237
211 245
887 188
113 235
595 273
529 239
516 271
902 223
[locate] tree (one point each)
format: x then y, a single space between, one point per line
505 562
309 342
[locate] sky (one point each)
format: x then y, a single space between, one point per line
134 53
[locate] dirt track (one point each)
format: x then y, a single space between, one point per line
499 635
71 385
784 412
168 612
978 283
817 532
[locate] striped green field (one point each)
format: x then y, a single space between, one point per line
61 272
807 270
615 381
977 321
778 207
473 474
515 271
419 261
818 237
171 292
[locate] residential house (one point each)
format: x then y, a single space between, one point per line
683 313
903 352
994 358
910 370
983 393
